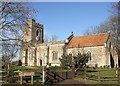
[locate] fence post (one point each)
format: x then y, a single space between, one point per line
116 72
18 76
73 72
99 76
31 79
20 79
85 75
55 76
66 74
119 76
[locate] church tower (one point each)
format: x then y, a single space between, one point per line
32 35
33 32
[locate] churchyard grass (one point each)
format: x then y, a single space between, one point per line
101 76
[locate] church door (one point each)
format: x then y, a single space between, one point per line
111 61
40 62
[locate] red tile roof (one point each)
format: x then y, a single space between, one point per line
90 40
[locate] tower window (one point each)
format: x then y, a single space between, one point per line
37 33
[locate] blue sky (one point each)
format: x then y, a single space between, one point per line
61 18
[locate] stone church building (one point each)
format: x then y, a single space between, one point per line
35 52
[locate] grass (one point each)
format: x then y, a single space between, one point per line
20 68
24 68
107 76
59 69
87 81
27 68
104 72
37 75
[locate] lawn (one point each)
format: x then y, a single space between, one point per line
100 75
36 69
24 69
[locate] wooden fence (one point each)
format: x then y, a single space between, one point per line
20 77
59 76
3 76
99 75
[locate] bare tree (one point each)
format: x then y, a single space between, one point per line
53 38
9 52
46 38
13 15
91 30
109 25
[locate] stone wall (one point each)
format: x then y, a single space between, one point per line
56 48
27 34
45 53
98 55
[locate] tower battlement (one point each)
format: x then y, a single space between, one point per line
33 32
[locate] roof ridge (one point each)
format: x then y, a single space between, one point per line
90 35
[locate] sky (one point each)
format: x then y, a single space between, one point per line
62 18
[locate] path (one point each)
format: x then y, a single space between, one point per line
70 81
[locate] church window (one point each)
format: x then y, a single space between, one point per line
89 55
55 55
37 33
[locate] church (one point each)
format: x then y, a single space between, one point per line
35 52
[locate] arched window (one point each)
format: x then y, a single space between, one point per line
55 55
37 33
89 55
